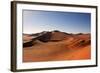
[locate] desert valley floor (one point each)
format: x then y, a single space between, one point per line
56 46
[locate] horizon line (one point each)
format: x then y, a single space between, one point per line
58 31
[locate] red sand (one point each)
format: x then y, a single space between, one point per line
67 49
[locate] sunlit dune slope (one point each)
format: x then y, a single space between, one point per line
58 47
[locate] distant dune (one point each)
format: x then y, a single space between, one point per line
56 46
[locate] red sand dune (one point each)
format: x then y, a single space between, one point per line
60 46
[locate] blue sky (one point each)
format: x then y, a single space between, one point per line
71 22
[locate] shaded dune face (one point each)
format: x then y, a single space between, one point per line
56 46
28 44
44 38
